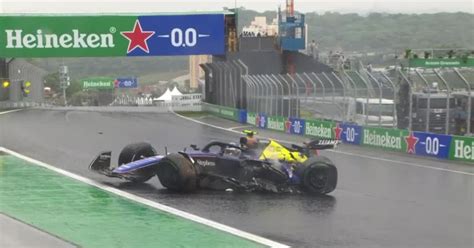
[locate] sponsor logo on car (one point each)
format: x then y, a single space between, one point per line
205 163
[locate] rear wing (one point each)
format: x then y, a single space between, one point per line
322 144
315 145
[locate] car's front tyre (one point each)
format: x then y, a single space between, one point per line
177 173
134 152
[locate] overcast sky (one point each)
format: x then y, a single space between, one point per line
144 6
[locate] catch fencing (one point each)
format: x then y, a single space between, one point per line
430 100
332 96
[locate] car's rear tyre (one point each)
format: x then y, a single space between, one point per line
134 152
319 175
177 173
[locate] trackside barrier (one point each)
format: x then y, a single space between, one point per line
9 104
388 139
418 143
238 115
462 148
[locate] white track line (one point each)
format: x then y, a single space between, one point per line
233 128
405 163
340 152
10 111
152 204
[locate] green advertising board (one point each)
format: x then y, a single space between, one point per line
436 63
221 111
100 83
111 35
320 129
229 113
213 109
64 36
251 118
390 139
276 123
462 148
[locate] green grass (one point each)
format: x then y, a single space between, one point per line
90 217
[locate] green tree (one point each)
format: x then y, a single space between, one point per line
75 86
52 81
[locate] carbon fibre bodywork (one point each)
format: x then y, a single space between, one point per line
226 166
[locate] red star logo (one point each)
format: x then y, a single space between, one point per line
288 126
138 38
411 141
338 131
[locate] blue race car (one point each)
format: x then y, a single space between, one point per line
268 167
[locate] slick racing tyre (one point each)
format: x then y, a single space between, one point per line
319 175
135 152
177 173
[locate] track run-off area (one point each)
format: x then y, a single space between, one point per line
382 199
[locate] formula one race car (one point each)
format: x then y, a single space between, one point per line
263 166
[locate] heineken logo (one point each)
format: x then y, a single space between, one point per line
382 140
138 38
288 126
463 150
229 113
111 35
97 84
411 142
338 131
16 38
319 131
275 124
214 109
251 119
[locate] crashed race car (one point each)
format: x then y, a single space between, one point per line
252 166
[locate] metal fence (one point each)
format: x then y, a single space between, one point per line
224 83
413 99
332 95
187 102
440 99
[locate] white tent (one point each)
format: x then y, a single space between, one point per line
176 92
167 96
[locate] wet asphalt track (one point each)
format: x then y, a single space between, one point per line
377 203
